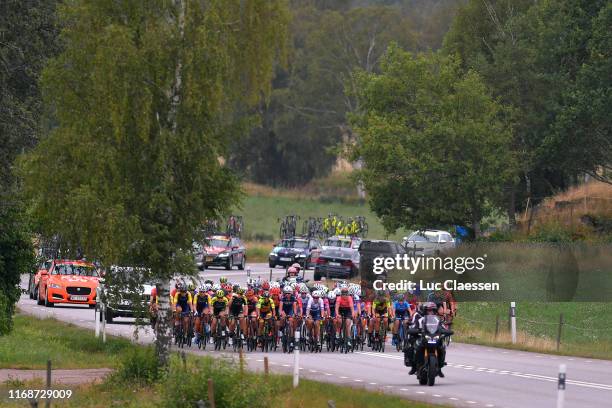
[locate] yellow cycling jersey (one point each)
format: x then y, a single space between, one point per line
178 297
381 307
203 298
219 302
265 306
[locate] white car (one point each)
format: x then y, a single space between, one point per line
428 243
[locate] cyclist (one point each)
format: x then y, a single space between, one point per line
381 310
304 298
265 310
201 303
315 311
344 310
182 306
252 300
219 305
153 307
238 309
401 310
288 309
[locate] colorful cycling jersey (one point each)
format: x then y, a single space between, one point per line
182 299
345 302
332 308
305 300
252 303
315 305
288 304
355 303
401 308
201 301
381 307
237 305
265 305
218 304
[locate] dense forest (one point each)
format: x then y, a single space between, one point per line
305 119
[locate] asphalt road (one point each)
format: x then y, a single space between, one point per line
476 376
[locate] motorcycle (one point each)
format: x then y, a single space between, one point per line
429 345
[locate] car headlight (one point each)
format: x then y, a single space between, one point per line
301 256
55 286
272 254
223 255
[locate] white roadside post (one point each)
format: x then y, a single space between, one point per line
97 312
103 308
561 387
513 321
296 360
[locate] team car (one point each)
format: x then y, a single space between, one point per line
68 281
291 250
220 250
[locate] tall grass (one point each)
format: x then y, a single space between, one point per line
33 341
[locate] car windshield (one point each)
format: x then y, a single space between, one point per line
71 269
294 243
423 237
218 242
340 243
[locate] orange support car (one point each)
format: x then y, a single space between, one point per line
68 281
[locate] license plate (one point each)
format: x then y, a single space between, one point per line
432 341
78 298
334 263
286 259
209 259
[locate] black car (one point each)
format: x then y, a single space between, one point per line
220 250
371 249
291 250
335 262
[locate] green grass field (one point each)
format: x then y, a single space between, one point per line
587 328
262 212
34 341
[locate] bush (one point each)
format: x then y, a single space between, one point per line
139 365
185 386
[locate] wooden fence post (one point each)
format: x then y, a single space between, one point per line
211 393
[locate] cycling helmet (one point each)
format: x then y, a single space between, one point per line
220 293
266 294
223 279
265 285
399 297
216 287
331 295
191 287
239 291
250 293
304 289
288 289
235 287
207 287
209 282
316 294
344 290
275 290
180 286
292 271
275 284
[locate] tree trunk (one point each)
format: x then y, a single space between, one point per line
511 208
163 330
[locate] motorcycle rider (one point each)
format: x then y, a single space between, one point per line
428 309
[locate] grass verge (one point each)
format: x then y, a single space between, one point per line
33 341
586 330
137 382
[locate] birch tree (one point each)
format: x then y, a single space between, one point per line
143 97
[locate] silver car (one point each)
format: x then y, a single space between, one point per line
428 243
